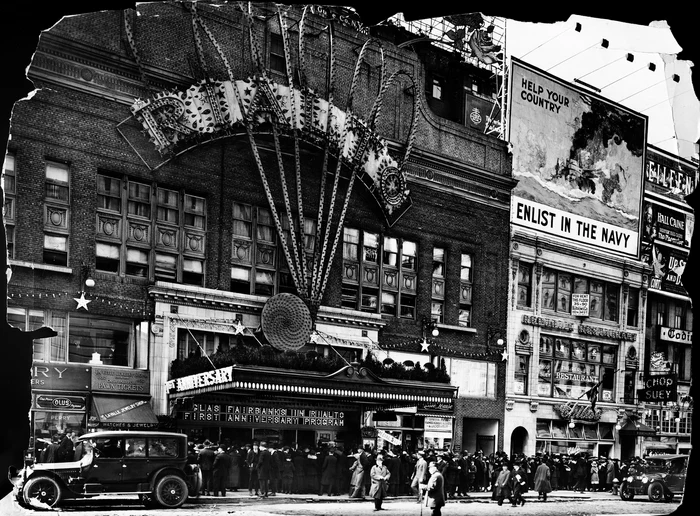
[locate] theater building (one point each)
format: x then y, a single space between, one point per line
578 290
196 167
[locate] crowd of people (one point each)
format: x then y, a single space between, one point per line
266 469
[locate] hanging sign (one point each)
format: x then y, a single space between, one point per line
659 388
676 335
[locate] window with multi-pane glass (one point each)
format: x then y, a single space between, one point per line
568 368
465 291
557 288
379 273
149 231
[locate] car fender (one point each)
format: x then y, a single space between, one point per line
167 470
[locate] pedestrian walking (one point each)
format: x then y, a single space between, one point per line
419 476
519 485
221 469
542 481
434 490
595 477
357 480
502 485
380 476
234 477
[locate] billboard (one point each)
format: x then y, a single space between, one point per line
579 162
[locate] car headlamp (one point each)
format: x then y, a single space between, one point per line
645 480
630 479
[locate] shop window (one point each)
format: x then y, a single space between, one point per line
379 273
522 368
474 378
100 339
51 426
544 378
606 430
546 343
559 429
557 288
544 428
524 285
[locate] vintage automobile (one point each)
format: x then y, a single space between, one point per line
661 478
152 465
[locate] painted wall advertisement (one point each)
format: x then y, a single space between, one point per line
667 265
579 161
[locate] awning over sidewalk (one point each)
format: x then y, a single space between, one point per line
123 412
637 429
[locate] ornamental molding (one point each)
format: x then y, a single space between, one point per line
550 324
608 333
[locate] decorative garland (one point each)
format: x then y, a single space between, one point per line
440 348
82 301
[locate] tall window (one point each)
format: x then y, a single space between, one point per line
259 265
200 343
524 285
277 60
633 307
148 231
465 291
679 316
379 274
438 284
557 288
56 213
522 374
9 187
661 313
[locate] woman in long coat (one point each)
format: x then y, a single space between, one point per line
357 480
380 477
502 484
542 482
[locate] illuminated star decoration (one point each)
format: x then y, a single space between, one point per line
238 328
82 302
424 346
504 355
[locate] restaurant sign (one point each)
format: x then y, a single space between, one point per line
580 412
676 335
659 388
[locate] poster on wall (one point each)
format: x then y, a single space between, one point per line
665 224
579 162
667 266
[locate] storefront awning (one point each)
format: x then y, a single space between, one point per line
123 412
637 429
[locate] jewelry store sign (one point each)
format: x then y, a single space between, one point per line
676 335
107 379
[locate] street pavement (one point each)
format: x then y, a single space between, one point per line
239 503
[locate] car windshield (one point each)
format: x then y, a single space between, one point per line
656 466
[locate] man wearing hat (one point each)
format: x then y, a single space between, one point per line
419 474
435 490
206 464
380 477
393 463
502 486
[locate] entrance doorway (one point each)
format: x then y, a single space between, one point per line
518 441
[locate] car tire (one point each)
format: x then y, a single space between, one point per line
171 491
626 493
656 492
44 489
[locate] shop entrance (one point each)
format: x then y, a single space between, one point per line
518 441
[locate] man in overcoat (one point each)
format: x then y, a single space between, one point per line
380 476
502 485
328 473
221 469
206 464
419 475
434 490
264 469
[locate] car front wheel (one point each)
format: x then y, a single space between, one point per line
625 492
42 492
171 491
656 492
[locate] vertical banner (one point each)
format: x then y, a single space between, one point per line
579 162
